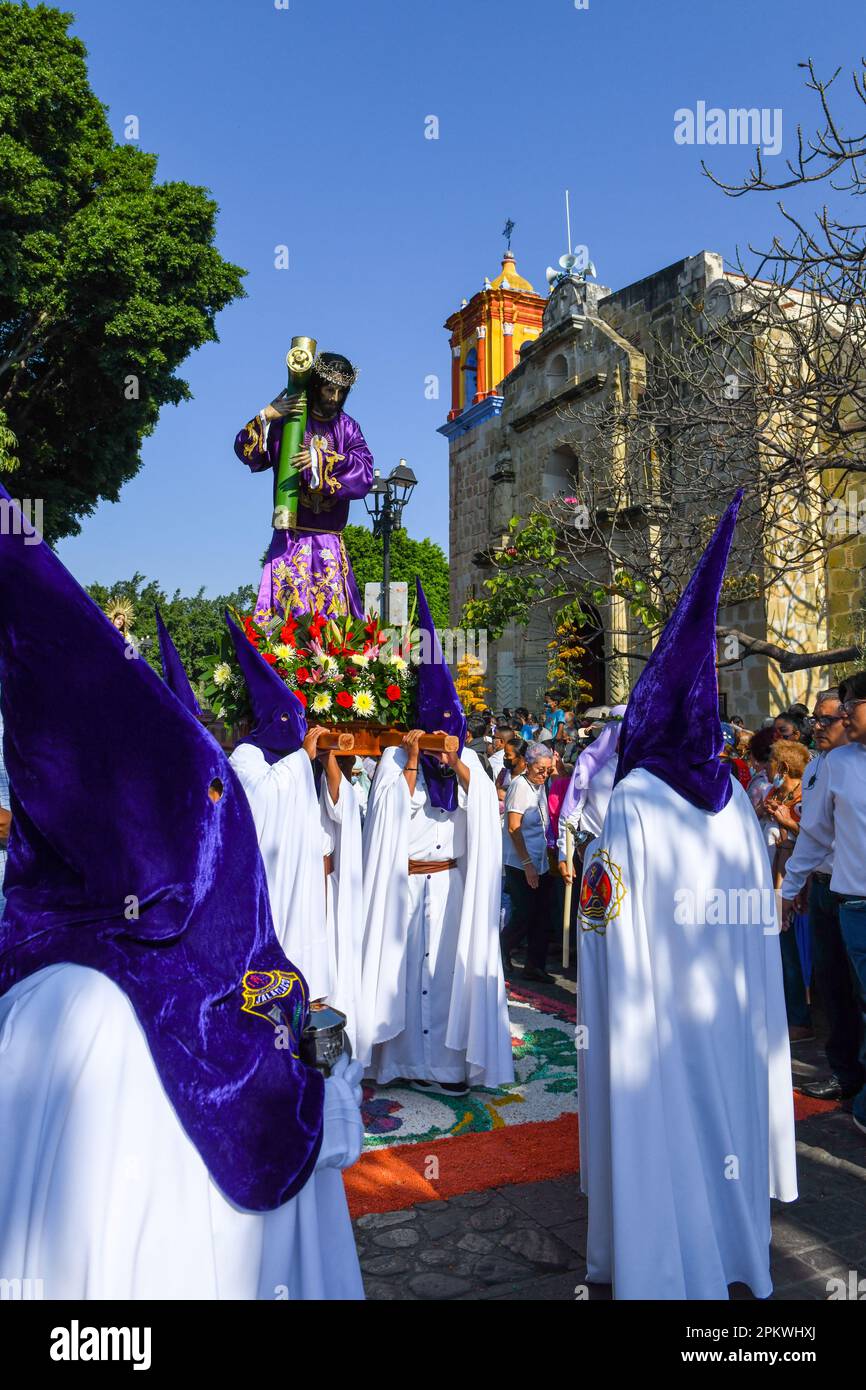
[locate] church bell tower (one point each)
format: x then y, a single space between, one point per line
487 334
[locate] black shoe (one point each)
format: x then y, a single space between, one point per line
440 1088
532 972
830 1089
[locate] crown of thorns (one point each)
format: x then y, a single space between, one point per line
336 375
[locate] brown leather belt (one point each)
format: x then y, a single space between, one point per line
431 866
329 863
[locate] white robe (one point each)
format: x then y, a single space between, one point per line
686 1107
103 1196
341 827
285 809
433 996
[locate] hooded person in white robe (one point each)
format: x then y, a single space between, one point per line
586 799
274 763
434 1008
340 808
102 1194
160 1135
686 1104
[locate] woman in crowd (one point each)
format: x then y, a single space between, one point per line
790 726
531 885
786 764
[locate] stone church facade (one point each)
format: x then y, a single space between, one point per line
514 437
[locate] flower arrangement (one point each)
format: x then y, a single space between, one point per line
342 670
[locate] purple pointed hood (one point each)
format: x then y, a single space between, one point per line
121 861
437 707
279 723
672 725
174 670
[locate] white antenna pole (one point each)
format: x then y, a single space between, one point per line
567 223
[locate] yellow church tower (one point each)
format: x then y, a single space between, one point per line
487 334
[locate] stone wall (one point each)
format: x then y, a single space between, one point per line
593 343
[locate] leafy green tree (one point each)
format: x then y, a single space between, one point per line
409 558
196 624
533 569
108 279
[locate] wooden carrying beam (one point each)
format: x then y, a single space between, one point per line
343 741
367 741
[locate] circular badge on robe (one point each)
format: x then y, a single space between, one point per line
601 893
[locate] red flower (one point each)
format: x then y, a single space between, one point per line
394 692
381 638
315 627
287 632
344 699
299 695
371 627
270 658
302 674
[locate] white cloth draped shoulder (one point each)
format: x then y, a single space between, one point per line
103 1196
341 821
285 809
477 1009
686 1107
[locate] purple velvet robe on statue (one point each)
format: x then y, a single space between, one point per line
307 569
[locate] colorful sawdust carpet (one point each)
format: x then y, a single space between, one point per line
424 1148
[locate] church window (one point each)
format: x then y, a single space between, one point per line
557 372
470 377
560 475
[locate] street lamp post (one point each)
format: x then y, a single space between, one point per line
385 502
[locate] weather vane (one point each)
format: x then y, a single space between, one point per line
506 232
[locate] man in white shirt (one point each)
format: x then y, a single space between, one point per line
834 831
528 880
830 963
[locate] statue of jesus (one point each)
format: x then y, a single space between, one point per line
307 568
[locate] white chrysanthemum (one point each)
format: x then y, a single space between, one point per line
329 664
284 652
360 660
397 661
321 702
363 703
222 674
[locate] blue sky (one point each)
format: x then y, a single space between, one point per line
388 230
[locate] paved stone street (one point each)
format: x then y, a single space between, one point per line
528 1241
822 1235
523 1241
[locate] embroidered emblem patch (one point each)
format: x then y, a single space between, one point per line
267 993
601 893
